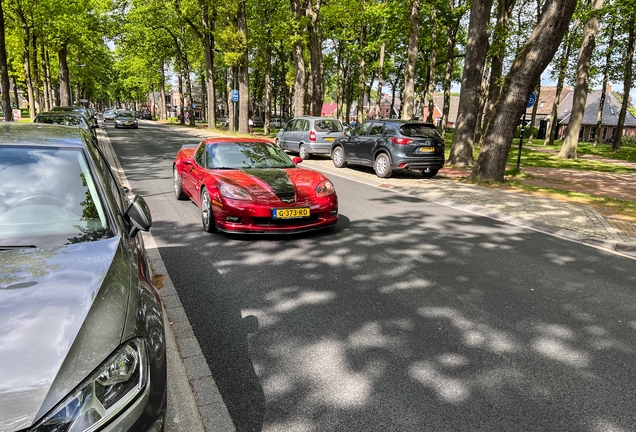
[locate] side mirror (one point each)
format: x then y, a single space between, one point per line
187 161
297 160
138 215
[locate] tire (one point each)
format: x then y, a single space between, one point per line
178 187
431 173
207 215
382 166
337 157
302 152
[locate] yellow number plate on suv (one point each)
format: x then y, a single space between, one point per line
427 149
291 213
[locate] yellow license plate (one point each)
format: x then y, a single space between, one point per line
427 149
291 213
329 139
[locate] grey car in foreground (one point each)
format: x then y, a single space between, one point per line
82 344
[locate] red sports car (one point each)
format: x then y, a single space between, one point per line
249 185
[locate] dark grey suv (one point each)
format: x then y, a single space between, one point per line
82 345
390 145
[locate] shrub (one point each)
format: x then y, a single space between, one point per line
628 141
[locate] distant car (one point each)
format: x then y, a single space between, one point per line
249 185
109 115
225 121
146 115
92 118
308 135
83 345
126 119
391 145
257 122
276 122
68 118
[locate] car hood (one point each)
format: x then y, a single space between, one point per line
62 312
268 183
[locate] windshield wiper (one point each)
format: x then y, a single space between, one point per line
18 247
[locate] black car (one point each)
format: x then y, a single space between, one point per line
68 118
126 119
390 145
90 116
82 344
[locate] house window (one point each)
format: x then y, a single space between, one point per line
604 134
581 134
593 133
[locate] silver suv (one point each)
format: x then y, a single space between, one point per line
308 135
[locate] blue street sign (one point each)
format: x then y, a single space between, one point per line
234 95
532 100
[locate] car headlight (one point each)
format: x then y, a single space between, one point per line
325 188
235 192
107 392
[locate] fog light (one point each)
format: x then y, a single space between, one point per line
233 219
333 212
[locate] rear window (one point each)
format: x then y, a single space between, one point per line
328 125
67 120
419 131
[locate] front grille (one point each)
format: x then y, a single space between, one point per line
264 221
287 197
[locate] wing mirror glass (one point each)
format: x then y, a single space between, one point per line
297 160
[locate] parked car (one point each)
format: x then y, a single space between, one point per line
308 135
225 121
68 118
390 145
92 118
276 122
257 122
248 185
146 115
82 343
109 115
126 119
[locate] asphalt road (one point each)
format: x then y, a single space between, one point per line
407 316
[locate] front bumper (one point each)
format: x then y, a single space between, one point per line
257 219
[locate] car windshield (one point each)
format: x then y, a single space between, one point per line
125 115
328 126
68 120
245 155
48 198
419 131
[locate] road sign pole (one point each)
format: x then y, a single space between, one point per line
523 124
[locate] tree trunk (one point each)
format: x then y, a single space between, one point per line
524 73
606 69
27 69
63 77
46 79
243 77
451 34
361 75
162 92
431 69
267 100
627 86
568 151
408 105
315 57
378 98
504 8
553 119
4 71
181 113
299 64
207 22
341 85
476 51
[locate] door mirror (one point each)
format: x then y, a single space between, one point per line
297 160
187 161
138 216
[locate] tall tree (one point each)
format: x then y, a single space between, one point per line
627 83
568 150
4 70
606 69
469 100
408 109
522 77
299 61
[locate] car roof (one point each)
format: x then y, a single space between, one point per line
403 122
308 117
61 114
221 140
41 134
